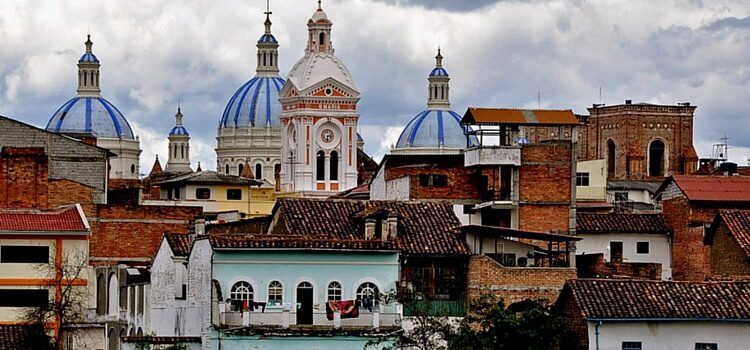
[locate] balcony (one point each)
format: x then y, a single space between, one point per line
388 317
493 155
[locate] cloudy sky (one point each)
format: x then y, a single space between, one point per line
499 53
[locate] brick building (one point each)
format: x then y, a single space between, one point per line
729 240
690 204
640 141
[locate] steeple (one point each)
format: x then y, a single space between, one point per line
179 147
438 86
268 50
88 72
319 28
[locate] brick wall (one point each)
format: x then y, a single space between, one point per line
23 177
462 183
594 266
62 192
575 324
514 284
544 187
727 257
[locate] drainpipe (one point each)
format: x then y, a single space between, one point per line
596 332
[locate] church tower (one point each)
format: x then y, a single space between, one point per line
319 118
179 147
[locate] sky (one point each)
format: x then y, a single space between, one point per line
155 53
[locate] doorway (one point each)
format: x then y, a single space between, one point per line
615 252
305 303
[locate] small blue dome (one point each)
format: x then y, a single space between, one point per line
179 130
256 103
435 129
439 72
267 38
91 115
89 57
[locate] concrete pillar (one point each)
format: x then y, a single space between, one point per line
337 319
285 315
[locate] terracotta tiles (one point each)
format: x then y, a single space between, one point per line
519 116
638 299
66 219
20 337
714 188
180 243
621 223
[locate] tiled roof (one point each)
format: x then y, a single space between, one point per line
621 223
639 299
180 243
21 337
423 227
161 339
62 219
714 188
519 116
738 224
295 242
209 177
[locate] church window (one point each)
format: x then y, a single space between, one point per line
85 78
435 93
320 166
656 158
270 57
92 77
234 194
226 168
182 151
334 291
334 166
258 171
275 293
611 151
442 92
241 291
368 290
101 295
322 40
239 169
132 168
112 292
264 58
202 193
175 151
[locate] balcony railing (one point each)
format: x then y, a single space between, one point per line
287 319
493 155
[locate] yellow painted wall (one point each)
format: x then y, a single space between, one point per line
597 189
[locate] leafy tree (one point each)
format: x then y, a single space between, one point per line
146 343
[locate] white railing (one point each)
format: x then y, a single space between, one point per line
287 319
493 155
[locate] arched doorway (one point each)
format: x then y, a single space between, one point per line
611 153
305 303
656 158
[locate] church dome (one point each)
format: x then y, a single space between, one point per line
316 67
268 38
91 115
434 129
178 130
256 103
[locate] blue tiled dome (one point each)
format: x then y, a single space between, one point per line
178 130
256 103
439 72
93 115
267 38
434 129
88 57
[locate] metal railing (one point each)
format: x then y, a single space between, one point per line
286 319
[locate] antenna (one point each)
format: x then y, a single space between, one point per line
268 8
600 95
538 99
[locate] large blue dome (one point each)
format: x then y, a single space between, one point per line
91 115
256 103
434 129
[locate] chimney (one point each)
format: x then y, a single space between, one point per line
200 226
384 230
369 229
627 102
392 227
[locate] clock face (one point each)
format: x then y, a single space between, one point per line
327 135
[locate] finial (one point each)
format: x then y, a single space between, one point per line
88 43
439 59
320 7
268 17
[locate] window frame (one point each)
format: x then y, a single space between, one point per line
234 190
202 190
333 292
632 345
249 291
275 291
583 179
706 346
368 285
638 246
22 261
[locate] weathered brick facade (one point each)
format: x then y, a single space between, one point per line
514 284
23 178
594 266
462 182
632 128
545 187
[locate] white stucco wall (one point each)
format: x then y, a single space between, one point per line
671 335
199 292
167 313
659 248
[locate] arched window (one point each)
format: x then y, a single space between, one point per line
368 289
111 339
442 92
275 293
101 295
92 77
226 168
656 158
85 79
241 291
239 169
112 295
175 151
271 58
322 40
435 93
97 79
264 58
258 171
182 151
334 291
132 168
320 166
277 171
611 152
334 166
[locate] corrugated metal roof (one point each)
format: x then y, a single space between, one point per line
714 188
519 116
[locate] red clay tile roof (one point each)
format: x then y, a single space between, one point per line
639 299
296 242
714 188
519 116
423 227
180 243
21 337
61 219
621 223
738 224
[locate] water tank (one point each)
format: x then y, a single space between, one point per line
728 168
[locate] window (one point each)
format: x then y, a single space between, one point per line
641 247
275 293
322 39
433 180
258 171
176 193
706 346
334 291
24 254
239 169
241 291
611 152
582 179
226 168
132 168
202 193
621 196
631 345
234 194
320 166
334 166
656 158
24 297
368 289
615 252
